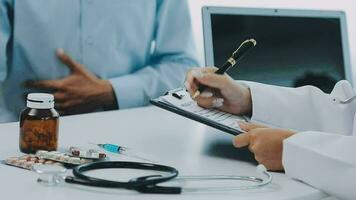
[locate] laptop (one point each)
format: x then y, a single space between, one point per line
294 47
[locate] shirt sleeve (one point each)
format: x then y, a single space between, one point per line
5 32
174 54
322 160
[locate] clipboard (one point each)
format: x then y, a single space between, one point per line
180 94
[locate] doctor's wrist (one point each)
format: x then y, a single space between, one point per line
246 103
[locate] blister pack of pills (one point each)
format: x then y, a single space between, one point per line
27 161
87 153
75 156
62 157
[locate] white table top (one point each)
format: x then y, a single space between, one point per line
192 148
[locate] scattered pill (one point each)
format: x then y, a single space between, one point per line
11 160
75 152
34 159
41 161
90 153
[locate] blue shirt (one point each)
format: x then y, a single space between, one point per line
143 47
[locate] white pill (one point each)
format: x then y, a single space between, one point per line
89 154
58 156
50 155
62 158
66 158
95 155
74 160
82 153
41 153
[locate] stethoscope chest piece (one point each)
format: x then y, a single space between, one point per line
49 175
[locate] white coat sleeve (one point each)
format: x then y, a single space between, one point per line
325 161
304 108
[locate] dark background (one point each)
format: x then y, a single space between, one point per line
290 51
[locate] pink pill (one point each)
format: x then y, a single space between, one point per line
41 161
48 162
28 164
75 152
11 160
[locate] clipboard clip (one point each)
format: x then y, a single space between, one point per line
178 93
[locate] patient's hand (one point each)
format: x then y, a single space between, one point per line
265 143
79 92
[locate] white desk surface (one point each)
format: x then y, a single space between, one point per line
170 139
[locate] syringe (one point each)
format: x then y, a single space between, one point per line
113 148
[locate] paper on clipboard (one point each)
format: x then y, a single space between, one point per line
182 100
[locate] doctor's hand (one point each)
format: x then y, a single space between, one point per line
79 92
223 93
265 143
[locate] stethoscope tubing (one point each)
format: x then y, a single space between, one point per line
259 182
148 184
135 184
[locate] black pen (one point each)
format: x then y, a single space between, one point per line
236 56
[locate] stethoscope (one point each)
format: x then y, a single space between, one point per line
146 184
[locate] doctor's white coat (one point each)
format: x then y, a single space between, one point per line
323 153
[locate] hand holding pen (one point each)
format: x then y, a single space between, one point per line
212 88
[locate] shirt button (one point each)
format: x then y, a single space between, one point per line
89 41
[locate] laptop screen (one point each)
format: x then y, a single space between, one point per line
290 51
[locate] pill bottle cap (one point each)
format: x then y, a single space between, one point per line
40 101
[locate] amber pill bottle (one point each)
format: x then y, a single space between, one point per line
39 124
